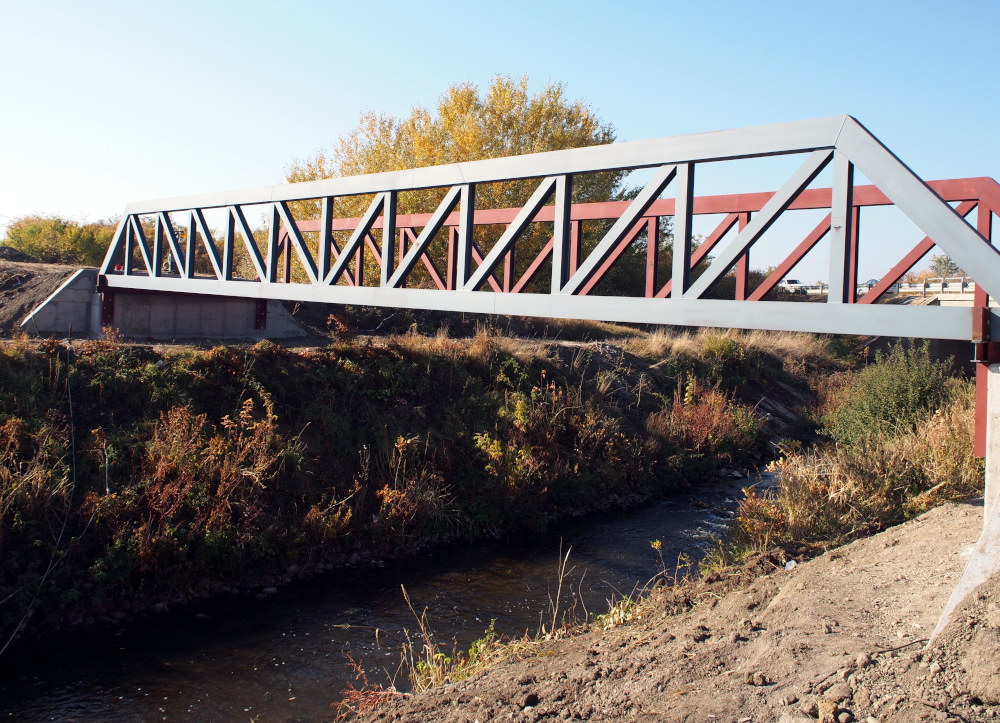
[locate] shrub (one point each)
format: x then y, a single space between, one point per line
705 421
892 395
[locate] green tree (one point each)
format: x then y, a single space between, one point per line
943 267
56 240
468 125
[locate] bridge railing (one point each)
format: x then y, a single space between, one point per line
536 262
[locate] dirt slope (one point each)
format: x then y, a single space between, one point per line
23 286
839 638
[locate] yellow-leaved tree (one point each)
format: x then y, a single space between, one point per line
466 125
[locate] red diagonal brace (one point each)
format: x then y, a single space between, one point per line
336 257
478 258
702 251
908 261
373 248
615 254
532 270
793 258
426 259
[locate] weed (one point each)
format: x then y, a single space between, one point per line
705 421
891 395
367 696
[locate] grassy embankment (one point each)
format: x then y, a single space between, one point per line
131 478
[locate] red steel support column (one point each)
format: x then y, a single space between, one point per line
652 250
359 267
852 260
987 351
452 249
743 265
575 240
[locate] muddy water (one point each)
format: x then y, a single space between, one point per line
285 658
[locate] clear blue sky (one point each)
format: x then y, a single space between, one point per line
107 102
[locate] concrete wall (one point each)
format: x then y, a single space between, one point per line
76 307
162 317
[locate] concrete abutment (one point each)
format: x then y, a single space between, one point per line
79 307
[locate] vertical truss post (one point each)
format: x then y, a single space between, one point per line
681 276
273 250
561 233
388 237
359 266
325 235
129 243
191 247
157 248
404 246
840 228
652 252
743 265
466 225
228 245
286 255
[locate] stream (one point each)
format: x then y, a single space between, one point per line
285 658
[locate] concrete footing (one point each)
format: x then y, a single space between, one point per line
78 308
985 560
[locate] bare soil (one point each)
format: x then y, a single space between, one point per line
842 637
23 286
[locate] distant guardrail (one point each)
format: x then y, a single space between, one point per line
949 285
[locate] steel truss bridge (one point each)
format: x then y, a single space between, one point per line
152 251
380 256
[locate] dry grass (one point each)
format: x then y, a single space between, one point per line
839 492
797 349
484 346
